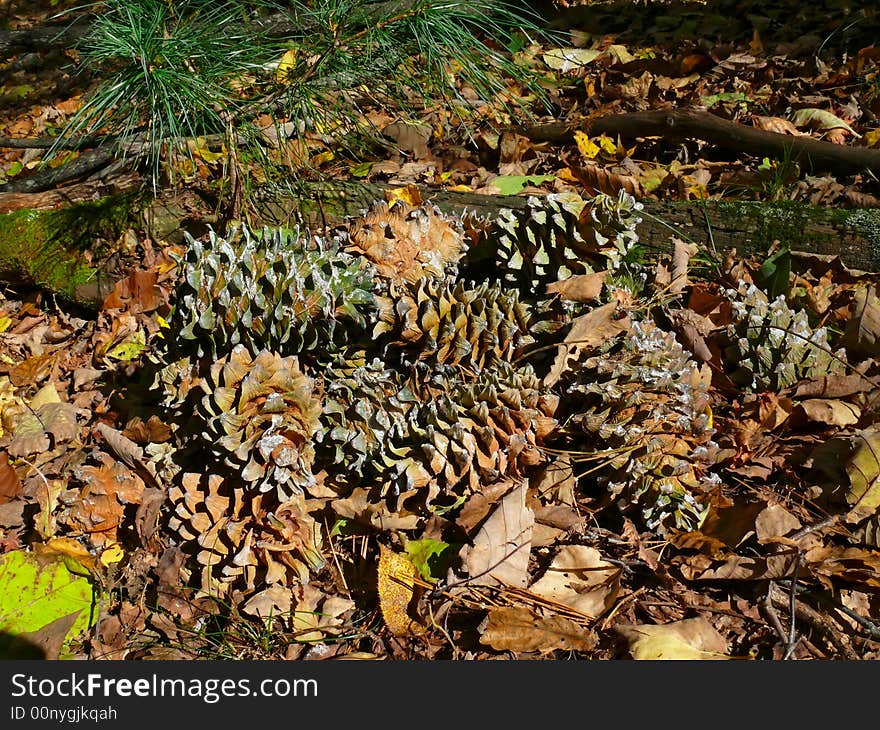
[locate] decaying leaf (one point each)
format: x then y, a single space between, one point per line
863 470
517 629
693 638
579 578
500 551
397 591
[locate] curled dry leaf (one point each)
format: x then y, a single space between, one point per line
693 638
517 629
579 578
775 521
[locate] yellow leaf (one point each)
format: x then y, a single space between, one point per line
863 470
4 323
587 148
409 195
608 145
46 394
872 138
397 589
693 638
461 188
70 548
287 62
112 554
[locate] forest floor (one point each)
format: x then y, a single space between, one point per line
684 462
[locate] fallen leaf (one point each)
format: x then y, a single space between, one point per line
397 591
862 332
273 602
10 484
682 253
597 179
693 638
517 629
832 412
36 590
863 470
580 287
578 577
500 551
586 333
821 120
566 59
775 521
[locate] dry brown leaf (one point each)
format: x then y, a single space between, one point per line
777 124
29 437
862 332
740 567
500 550
397 592
318 615
693 638
832 412
587 332
579 288
775 521
517 629
599 180
273 602
578 577
376 516
682 253
854 565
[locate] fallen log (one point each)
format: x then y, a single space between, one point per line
812 154
43 243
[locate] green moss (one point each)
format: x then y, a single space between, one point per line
47 247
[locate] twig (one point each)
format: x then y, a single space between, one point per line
792 637
815 621
773 617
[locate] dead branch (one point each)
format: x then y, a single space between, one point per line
813 154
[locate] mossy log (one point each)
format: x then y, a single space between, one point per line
54 248
749 227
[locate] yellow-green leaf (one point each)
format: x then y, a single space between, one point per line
37 590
